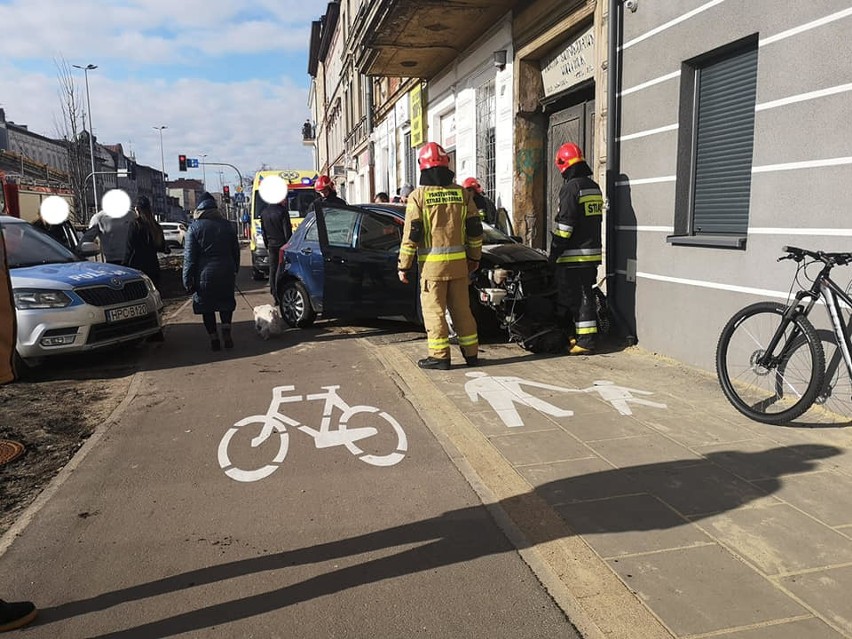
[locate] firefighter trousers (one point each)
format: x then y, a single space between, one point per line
576 307
438 296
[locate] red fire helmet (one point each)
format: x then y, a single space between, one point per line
472 183
568 155
432 155
323 182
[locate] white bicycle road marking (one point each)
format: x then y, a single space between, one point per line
504 394
325 436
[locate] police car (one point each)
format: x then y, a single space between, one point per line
66 304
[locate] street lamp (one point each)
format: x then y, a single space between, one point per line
86 69
162 159
203 172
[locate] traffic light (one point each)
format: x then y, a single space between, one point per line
226 193
182 162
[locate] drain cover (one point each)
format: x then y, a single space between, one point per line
9 450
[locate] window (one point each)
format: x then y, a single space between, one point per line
340 226
312 234
486 147
716 146
379 233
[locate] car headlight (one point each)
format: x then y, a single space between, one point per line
39 298
149 283
499 275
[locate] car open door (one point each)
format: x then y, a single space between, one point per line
360 250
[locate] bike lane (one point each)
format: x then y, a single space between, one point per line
147 536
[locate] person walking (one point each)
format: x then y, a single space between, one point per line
277 231
144 240
211 261
111 233
246 219
576 249
444 232
486 207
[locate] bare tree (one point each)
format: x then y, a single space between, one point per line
73 135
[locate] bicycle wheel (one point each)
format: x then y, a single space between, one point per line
256 474
401 441
782 391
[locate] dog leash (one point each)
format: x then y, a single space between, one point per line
243 296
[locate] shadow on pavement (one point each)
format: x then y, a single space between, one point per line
456 536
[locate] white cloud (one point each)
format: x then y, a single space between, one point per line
243 123
158 29
246 123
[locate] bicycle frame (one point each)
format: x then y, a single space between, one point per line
832 295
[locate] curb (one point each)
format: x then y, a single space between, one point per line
593 598
56 483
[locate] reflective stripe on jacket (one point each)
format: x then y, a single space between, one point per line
576 232
443 246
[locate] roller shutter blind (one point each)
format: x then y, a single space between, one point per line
727 90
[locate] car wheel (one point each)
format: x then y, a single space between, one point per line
296 306
257 275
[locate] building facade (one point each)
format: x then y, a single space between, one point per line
732 144
716 129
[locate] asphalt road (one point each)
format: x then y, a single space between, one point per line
348 519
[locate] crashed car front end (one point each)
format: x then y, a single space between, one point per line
517 284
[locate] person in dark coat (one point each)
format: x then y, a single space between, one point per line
277 231
144 240
211 260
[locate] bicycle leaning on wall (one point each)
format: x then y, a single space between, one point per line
770 359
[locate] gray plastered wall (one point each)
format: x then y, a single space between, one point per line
683 295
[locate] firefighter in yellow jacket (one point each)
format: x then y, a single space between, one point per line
443 231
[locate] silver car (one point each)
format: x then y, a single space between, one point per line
66 304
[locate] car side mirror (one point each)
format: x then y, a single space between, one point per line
88 249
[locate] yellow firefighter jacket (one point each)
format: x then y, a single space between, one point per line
443 229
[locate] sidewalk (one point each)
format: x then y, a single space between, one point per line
655 509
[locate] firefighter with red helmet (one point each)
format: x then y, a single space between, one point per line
575 248
484 204
326 193
443 232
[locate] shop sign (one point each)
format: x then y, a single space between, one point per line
415 101
569 66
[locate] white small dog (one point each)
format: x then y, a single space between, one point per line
268 322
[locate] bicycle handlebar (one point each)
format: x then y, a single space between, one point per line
829 259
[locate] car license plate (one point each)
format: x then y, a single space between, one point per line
126 312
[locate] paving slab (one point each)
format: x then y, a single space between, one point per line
715 524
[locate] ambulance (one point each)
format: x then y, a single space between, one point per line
300 195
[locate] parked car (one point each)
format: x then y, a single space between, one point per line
67 304
175 233
342 262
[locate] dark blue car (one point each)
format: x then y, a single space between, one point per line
342 262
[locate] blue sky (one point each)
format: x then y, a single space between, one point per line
227 77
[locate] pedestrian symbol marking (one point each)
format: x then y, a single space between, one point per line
326 436
505 394
618 396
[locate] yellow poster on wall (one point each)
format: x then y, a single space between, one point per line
415 105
